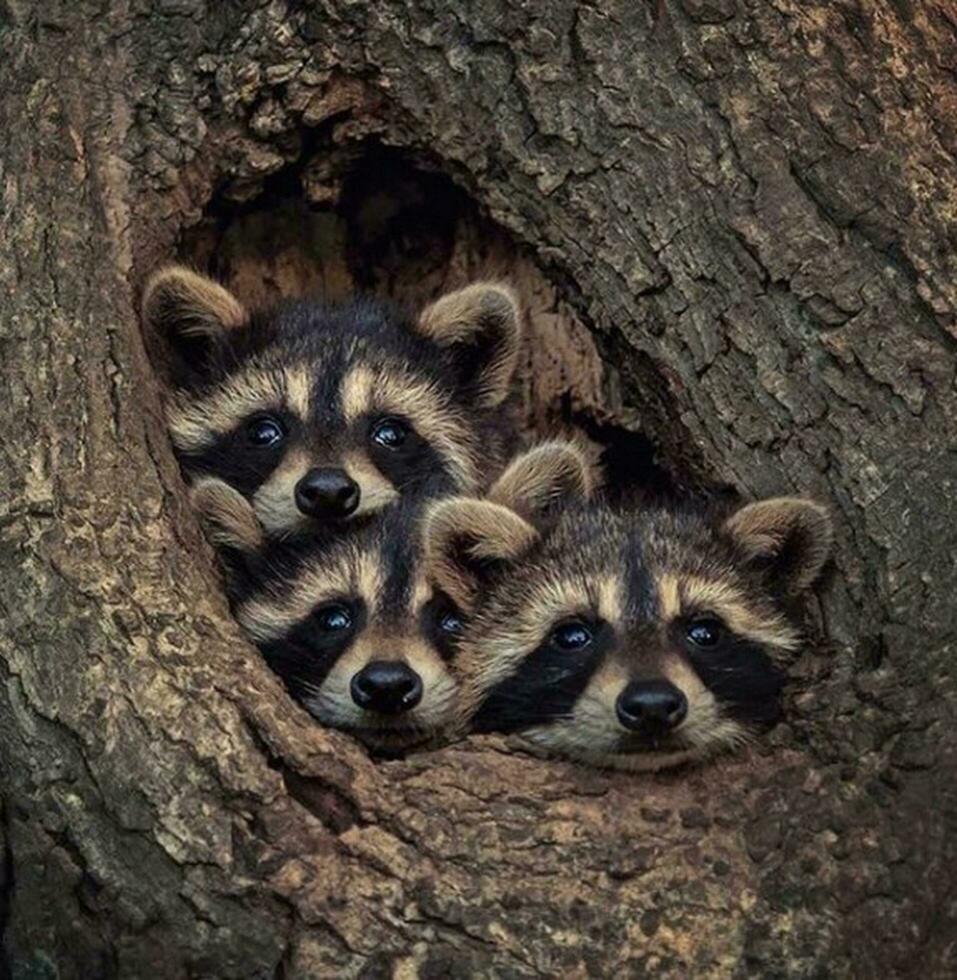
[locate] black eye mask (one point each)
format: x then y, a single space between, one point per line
442 623
304 657
403 456
247 456
544 687
742 677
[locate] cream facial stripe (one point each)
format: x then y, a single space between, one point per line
370 580
557 598
694 592
375 491
275 500
610 591
271 617
390 390
421 592
195 424
356 392
298 390
669 598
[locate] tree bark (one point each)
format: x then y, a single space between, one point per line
752 206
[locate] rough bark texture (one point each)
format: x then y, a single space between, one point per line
753 205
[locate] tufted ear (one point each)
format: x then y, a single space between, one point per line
790 535
187 313
481 326
227 516
537 481
464 538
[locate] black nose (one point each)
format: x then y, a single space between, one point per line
387 687
327 493
651 707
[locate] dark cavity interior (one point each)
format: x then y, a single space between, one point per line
373 220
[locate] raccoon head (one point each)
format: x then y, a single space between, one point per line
353 628
635 641
321 414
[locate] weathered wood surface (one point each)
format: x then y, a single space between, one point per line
753 204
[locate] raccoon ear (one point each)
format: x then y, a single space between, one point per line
792 535
464 538
227 516
186 312
535 482
481 325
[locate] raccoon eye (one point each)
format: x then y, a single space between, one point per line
389 433
572 636
705 632
265 431
333 619
450 622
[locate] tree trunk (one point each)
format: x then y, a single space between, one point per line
751 206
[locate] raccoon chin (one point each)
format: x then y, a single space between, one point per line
381 736
385 734
610 749
604 752
391 744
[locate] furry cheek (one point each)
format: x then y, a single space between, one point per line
440 688
332 703
275 501
375 491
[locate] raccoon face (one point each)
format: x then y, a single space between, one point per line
324 414
354 629
634 641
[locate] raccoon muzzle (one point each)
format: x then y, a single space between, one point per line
386 687
651 708
327 492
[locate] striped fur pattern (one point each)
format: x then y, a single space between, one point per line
580 611
322 611
331 449
390 404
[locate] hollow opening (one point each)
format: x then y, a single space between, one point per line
366 218
370 218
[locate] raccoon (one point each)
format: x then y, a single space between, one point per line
322 414
633 640
352 626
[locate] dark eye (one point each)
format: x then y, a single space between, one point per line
450 622
705 632
265 431
333 619
389 433
572 636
